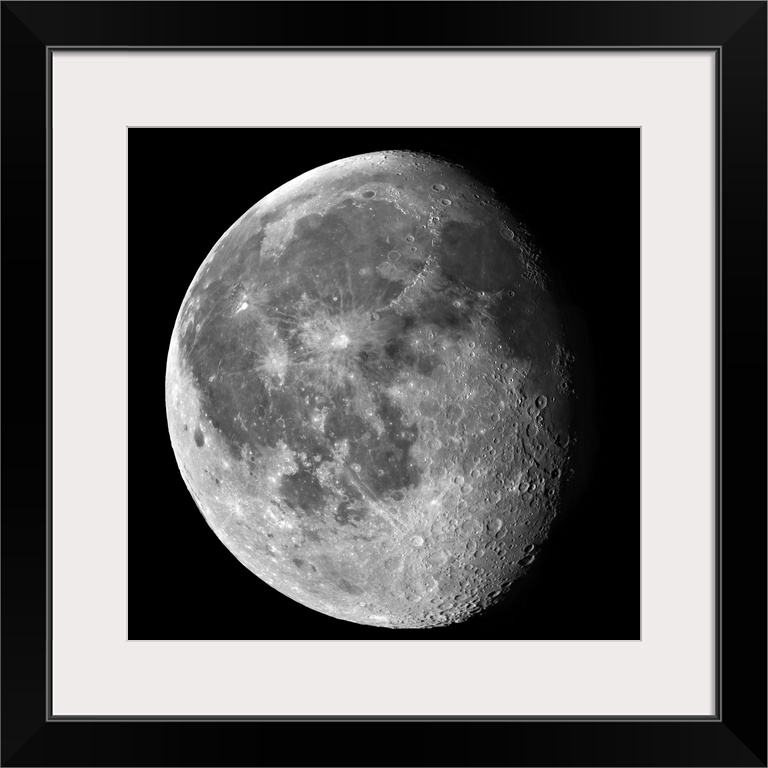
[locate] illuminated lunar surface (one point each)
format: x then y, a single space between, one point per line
368 393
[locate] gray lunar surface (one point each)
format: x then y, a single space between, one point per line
368 394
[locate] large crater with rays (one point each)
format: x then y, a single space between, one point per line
368 392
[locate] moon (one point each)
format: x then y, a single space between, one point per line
368 392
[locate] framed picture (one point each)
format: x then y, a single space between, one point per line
384 381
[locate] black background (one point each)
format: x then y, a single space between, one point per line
578 192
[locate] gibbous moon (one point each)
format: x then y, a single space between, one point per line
368 392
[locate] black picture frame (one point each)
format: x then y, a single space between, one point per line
736 735
555 179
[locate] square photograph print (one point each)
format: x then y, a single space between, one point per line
384 383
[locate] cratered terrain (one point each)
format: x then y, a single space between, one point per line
368 392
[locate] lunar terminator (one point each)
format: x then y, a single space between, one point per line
368 393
